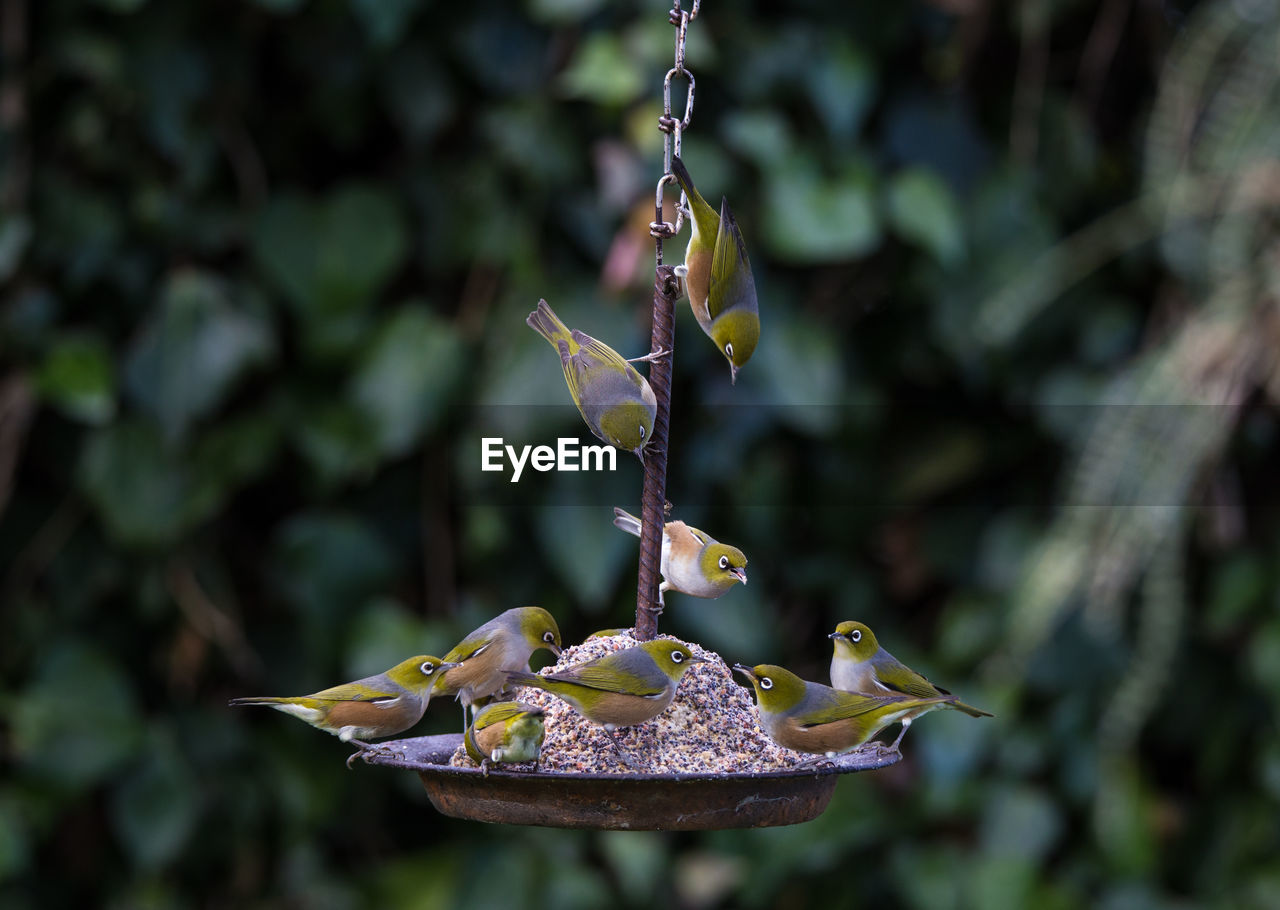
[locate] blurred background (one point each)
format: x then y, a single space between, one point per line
265 270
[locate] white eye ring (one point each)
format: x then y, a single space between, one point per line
724 562
766 682
677 656
728 349
642 431
855 635
427 668
549 636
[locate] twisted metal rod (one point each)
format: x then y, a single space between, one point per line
653 497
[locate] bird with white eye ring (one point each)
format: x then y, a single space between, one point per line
859 664
811 717
693 562
370 708
483 658
621 689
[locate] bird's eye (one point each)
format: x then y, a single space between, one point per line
642 431
724 562
766 682
427 668
728 349
855 635
677 656
549 636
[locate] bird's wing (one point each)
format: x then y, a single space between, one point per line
631 671
731 281
896 676
500 712
362 690
826 706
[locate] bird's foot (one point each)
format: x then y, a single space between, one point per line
816 761
368 749
651 356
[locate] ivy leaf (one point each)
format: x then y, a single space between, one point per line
923 211
78 379
192 351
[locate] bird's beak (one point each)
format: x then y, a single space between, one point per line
698 660
740 574
835 635
449 666
733 374
555 649
638 451
745 671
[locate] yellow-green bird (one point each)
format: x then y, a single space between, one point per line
482 659
717 273
693 562
369 708
859 664
505 731
811 717
612 396
621 689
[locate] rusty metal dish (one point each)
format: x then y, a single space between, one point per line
655 802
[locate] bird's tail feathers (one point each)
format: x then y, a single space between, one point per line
546 323
971 710
626 521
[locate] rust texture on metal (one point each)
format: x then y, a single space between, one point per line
653 495
657 802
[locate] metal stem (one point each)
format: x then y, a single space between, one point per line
654 496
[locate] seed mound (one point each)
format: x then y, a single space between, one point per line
710 728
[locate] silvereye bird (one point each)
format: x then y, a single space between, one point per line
504 643
693 562
614 399
859 664
368 708
811 717
621 689
717 273
505 731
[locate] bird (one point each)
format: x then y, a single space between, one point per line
370 708
859 664
811 717
693 562
504 643
613 398
506 731
621 689
717 274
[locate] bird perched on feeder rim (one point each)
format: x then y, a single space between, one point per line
613 398
717 274
505 731
482 659
621 689
811 717
381 705
693 562
859 664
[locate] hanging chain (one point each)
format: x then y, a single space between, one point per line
673 129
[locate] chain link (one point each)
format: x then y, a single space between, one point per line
673 129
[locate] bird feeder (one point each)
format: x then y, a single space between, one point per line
635 801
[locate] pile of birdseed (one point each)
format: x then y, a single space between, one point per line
710 728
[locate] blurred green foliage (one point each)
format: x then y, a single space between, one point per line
266 266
